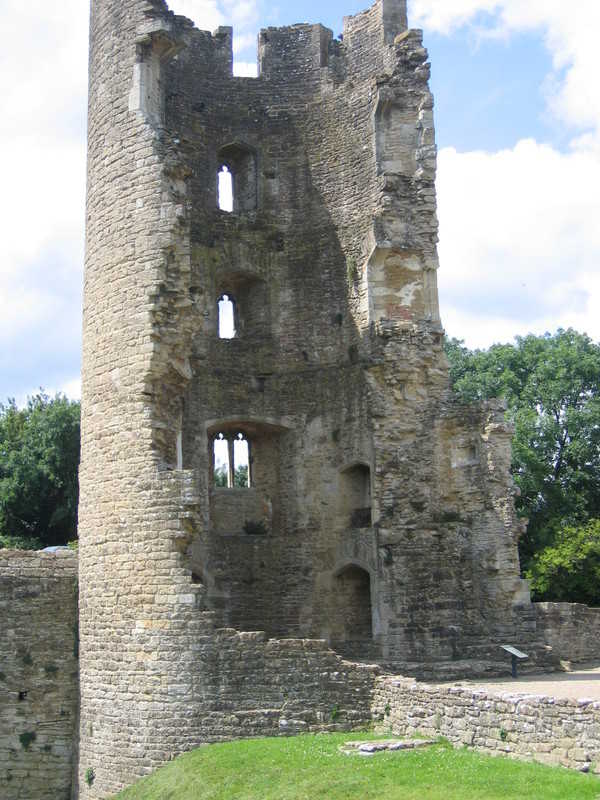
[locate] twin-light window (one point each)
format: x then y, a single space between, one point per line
231 461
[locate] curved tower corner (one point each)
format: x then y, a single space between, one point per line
138 606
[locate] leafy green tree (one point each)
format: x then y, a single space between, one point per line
221 478
19 543
240 477
569 569
552 386
39 459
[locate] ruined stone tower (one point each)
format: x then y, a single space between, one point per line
300 469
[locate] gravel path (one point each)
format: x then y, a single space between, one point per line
576 685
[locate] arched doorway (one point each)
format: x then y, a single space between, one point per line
352 622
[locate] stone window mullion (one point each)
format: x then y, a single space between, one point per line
231 475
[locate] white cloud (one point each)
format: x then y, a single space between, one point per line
244 43
519 242
41 137
569 30
519 233
71 389
206 14
245 69
43 84
241 14
209 14
446 15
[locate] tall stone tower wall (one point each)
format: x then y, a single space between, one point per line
379 515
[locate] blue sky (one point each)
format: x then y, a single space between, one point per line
518 129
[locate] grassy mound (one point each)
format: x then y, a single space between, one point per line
311 768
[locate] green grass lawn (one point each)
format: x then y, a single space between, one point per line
310 767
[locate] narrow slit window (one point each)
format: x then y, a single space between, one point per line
221 468
226 317
241 460
225 189
237 179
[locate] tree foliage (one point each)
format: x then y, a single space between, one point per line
240 477
569 569
39 458
552 387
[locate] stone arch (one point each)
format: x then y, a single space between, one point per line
352 612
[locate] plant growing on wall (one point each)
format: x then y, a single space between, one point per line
27 739
351 271
255 528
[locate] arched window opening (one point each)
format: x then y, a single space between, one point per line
225 189
221 461
241 460
226 317
237 182
231 461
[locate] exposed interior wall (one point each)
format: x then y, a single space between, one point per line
291 378
337 359
38 674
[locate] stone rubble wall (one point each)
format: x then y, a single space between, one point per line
571 629
256 686
269 687
38 674
250 685
544 729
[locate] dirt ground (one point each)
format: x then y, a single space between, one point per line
583 682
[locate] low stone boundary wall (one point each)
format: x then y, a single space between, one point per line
572 630
545 729
38 674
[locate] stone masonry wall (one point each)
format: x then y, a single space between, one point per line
337 379
548 730
571 629
156 381
267 687
38 674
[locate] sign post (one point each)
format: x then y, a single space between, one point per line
516 656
